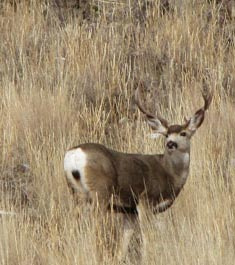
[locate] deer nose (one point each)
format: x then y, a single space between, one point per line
172 145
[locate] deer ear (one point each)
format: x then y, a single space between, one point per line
196 121
157 125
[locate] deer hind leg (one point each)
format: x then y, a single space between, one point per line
79 193
99 188
100 194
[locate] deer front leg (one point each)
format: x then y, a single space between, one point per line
142 206
157 208
129 223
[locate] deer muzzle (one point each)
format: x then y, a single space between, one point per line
172 145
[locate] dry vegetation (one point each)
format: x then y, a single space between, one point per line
67 77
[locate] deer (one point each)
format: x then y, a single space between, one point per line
99 174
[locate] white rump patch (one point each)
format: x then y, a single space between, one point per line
76 160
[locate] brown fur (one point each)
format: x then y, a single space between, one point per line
175 128
128 176
120 181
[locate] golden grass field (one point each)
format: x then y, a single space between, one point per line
66 81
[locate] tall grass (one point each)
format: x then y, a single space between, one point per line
66 82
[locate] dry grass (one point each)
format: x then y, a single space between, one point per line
62 84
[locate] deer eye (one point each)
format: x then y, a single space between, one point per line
167 135
183 134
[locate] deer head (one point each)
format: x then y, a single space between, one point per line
177 136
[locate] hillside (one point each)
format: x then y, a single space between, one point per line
67 76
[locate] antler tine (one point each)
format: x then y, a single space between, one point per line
148 114
138 103
207 100
207 95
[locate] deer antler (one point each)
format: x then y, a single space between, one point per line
197 119
207 96
148 114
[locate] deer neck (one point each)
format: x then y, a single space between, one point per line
177 164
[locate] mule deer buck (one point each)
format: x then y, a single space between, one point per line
99 174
